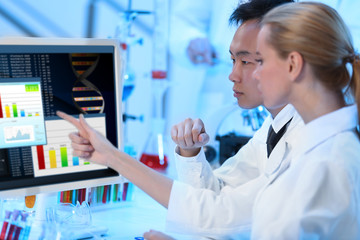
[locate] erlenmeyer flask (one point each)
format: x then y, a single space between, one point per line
154 155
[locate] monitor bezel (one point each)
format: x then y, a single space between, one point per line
118 68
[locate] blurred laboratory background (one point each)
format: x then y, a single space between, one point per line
163 81
191 90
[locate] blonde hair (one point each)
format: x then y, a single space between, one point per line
318 33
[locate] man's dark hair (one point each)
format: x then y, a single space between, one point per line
254 9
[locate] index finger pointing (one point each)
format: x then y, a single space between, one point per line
73 121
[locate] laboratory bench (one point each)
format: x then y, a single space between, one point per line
122 220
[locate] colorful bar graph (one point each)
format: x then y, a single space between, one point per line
7 111
63 154
1 110
41 158
15 112
76 161
17 99
57 154
52 156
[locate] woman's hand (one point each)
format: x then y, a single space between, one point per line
89 143
155 235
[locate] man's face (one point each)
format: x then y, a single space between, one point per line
243 54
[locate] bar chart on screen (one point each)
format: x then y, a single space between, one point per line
19 100
21 113
56 156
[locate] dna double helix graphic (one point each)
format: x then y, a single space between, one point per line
87 98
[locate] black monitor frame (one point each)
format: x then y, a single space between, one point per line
77 180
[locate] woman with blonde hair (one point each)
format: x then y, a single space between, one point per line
304 56
304 50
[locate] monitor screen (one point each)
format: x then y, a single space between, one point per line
38 77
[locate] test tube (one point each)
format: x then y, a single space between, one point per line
26 232
13 224
21 226
5 225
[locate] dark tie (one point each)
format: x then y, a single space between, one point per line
273 138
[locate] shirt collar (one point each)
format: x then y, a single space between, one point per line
283 117
324 127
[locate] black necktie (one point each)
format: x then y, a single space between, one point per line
273 138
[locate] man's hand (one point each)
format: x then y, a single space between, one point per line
190 136
201 51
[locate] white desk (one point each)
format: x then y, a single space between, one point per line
132 219
124 220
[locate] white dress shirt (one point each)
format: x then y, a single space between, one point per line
219 203
316 192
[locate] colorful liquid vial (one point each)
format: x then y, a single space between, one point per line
5 225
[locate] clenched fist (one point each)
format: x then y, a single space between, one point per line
190 136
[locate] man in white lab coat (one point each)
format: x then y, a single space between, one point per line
229 192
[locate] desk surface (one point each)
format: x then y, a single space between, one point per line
124 220
132 219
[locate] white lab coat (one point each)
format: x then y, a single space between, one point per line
299 198
207 88
225 206
316 192
248 163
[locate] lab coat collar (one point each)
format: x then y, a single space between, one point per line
283 117
277 161
278 122
262 133
322 128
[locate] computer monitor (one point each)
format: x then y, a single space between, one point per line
39 76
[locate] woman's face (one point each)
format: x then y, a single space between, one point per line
271 73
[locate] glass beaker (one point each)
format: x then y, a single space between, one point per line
69 219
